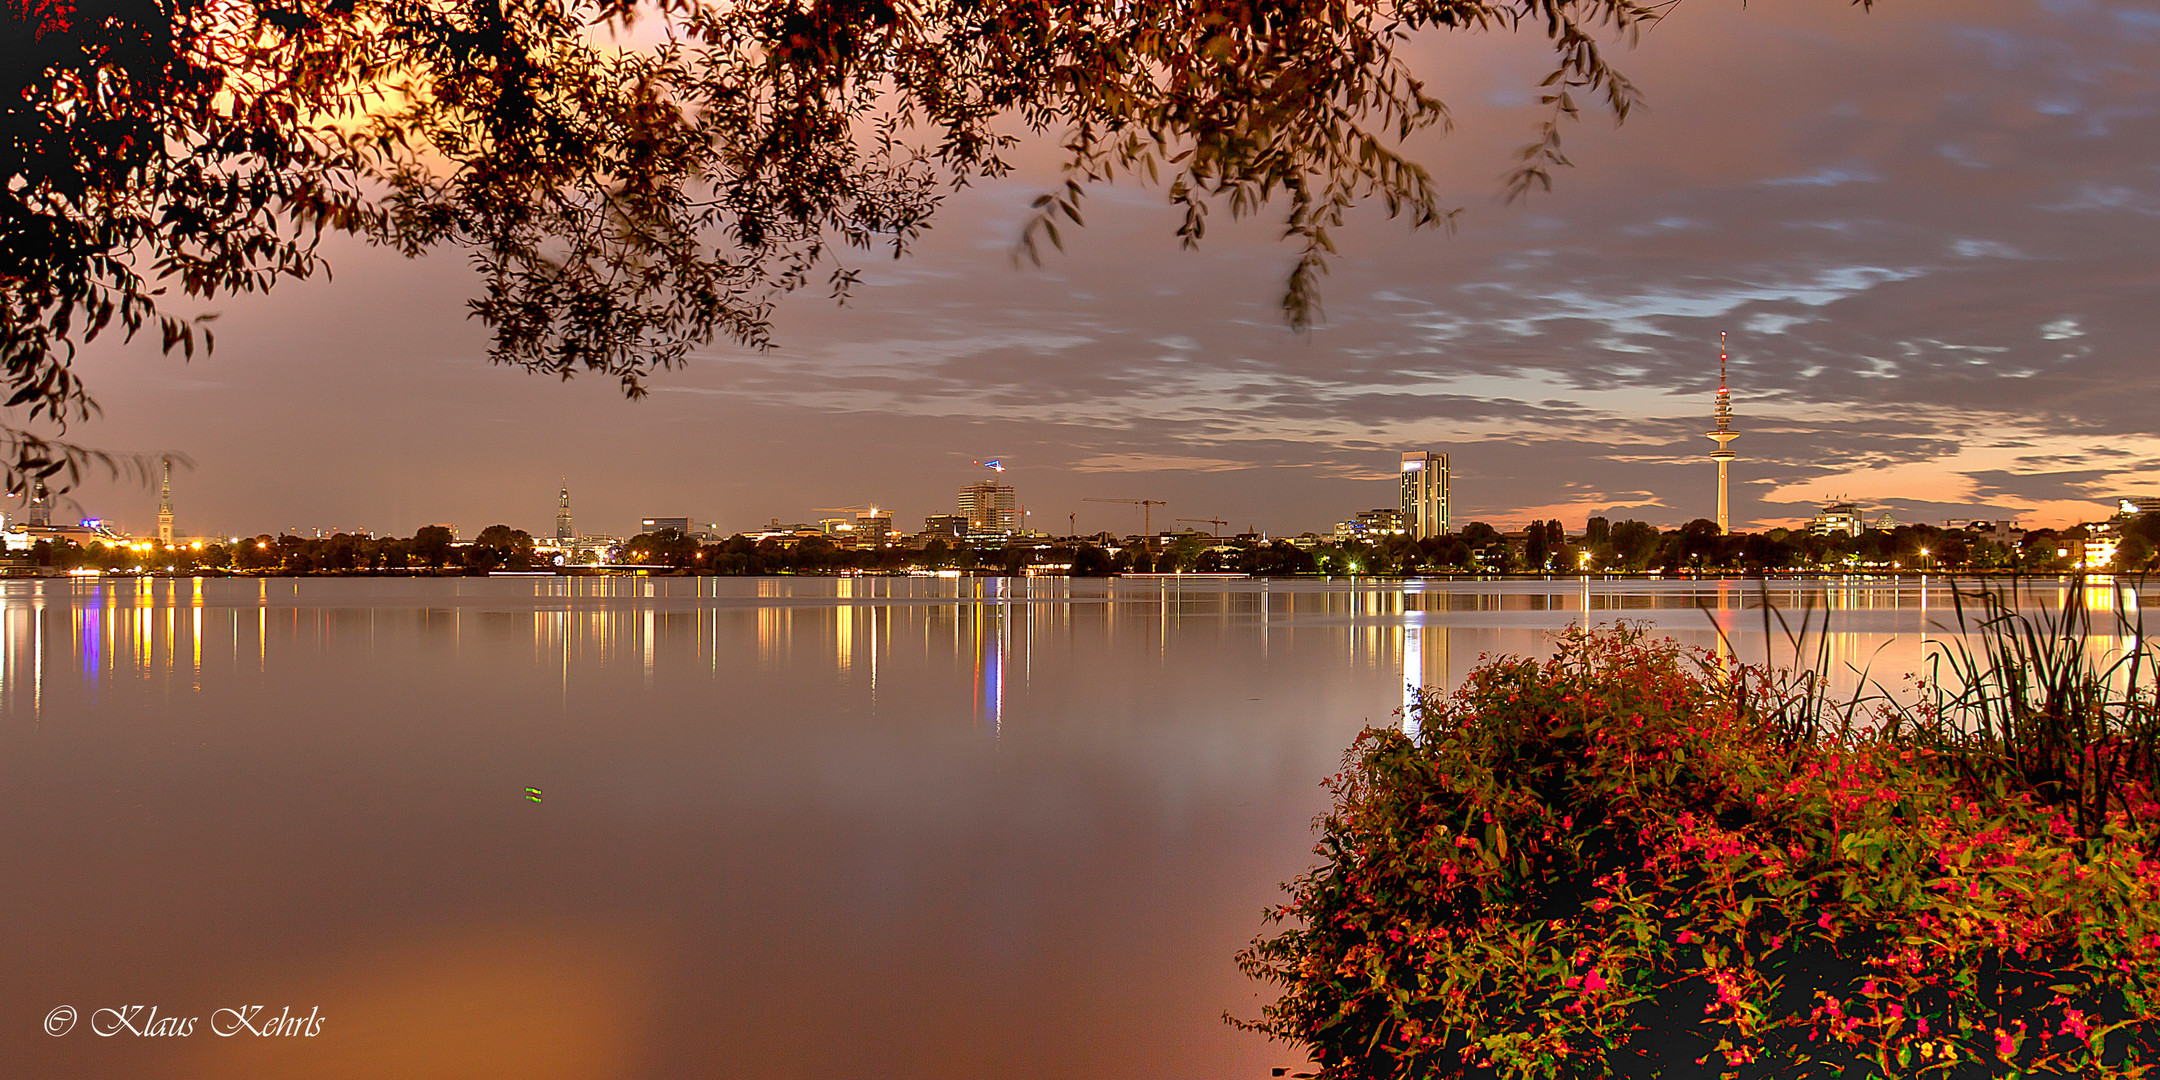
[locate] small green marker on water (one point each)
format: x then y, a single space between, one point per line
533 793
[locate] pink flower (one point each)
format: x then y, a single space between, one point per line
2074 1024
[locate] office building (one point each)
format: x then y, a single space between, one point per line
990 508
25 537
1424 494
655 524
1839 517
2097 550
1370 525
873 526
1999 531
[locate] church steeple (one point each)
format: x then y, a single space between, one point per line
563 531
164 510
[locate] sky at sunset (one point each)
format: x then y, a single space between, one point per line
1932 231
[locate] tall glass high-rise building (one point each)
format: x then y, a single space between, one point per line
991 509
1424 494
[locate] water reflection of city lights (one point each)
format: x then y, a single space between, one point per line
982 630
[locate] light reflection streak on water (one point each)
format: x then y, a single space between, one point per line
89 626
988 627
844 627
1412 678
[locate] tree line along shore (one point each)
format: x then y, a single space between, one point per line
1602 547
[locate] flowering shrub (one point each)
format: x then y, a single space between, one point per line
1611 863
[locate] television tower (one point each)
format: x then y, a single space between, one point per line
1724 434
164 510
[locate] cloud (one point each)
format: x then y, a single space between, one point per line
1828 176
1984 249
1122 463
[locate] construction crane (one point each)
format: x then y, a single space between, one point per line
1147 510
859 509
862 512
1217 522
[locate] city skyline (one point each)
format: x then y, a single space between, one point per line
988 510
1927 226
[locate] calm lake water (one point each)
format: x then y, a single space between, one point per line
668 828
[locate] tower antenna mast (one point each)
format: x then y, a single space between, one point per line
1724 435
